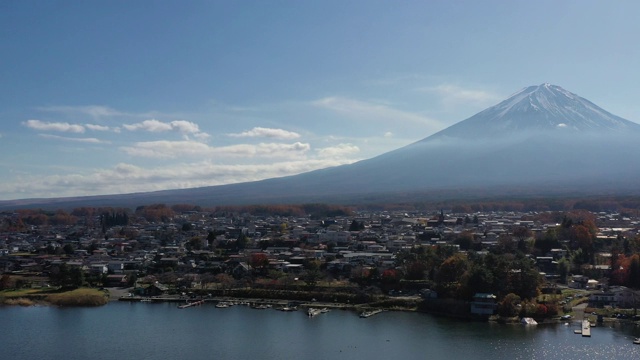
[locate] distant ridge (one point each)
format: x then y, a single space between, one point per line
541 141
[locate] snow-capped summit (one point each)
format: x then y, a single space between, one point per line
542 107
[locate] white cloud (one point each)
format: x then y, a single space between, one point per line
149 125
338 151
81 140
264 150
176 149
186 127
388 134
182 126
453 94
53 126
128 178
268 133
97 127
364 110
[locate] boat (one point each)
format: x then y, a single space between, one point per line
260 307
366 314
146 300
528 321
222 305
636 341
324 310
313 312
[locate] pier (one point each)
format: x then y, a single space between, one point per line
586 328
190 304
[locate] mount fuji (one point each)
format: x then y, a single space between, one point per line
541 141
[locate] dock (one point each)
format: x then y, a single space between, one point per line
187 305
586 328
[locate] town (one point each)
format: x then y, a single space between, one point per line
453 261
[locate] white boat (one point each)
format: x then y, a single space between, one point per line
528 321
366 314
313 312
636 341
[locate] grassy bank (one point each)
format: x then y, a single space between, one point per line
76 297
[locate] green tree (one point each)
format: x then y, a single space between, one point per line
242 241
76 277
634 271
464 240
68 249
312 274
478 279
563 269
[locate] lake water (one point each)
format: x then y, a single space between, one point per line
162 331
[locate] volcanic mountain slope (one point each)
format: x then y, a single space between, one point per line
543 140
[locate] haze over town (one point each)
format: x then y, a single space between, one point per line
123 97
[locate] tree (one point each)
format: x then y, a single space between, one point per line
68 249
259 261
563 269
311 278
356 226
195 243
225 280
6 282
389 280
509 305
478 279
449 275
634 272
415 270
548 241
76 277
242 241
464 240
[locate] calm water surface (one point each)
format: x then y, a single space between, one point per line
162 331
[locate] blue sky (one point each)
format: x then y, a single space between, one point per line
104 97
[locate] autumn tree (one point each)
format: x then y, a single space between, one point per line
449 275
259 261
155 213
389 280
509 305
6 282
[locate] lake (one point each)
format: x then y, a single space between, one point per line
123 330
